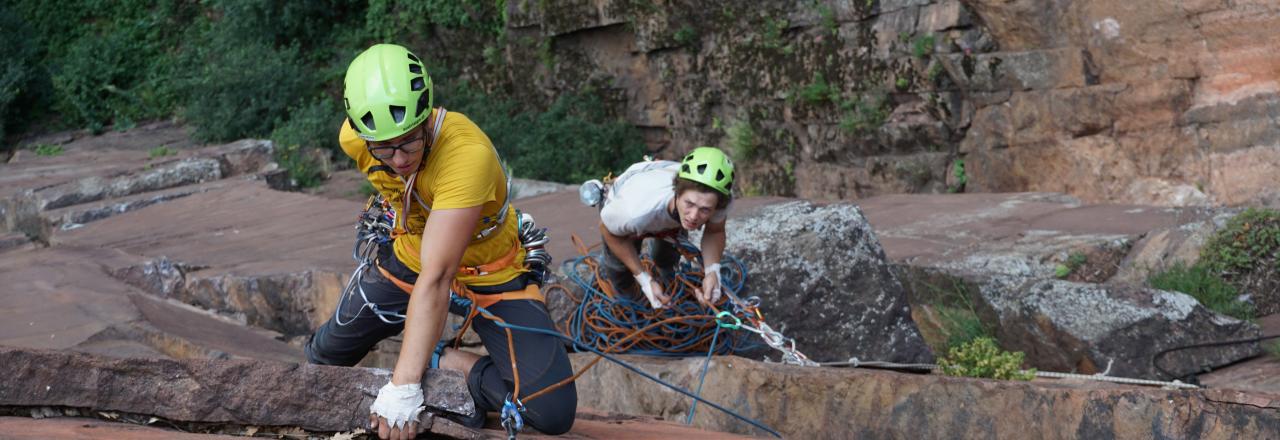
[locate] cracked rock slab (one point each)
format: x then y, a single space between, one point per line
236 391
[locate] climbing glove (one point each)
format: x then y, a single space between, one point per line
399 404
712 281
651 289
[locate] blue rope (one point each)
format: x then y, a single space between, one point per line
702 378
467 303
673 339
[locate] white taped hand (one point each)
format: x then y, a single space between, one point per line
711 281
399 404
648 287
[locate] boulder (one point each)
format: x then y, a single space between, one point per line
824 281
1067 326
244 392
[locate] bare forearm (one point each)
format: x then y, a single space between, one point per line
712 245
622 248
424 323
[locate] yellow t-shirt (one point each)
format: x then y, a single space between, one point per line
461 171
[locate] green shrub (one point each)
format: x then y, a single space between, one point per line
20 77
923 46
301 165
1246 254
1249 243
243 89
314 124
366 189
982 358
685 35
958 320
160 151
573 140
773 29
864 114
1272 348
817 91
827 16
389 20
961 325
48 150
962 179
741 138
106 60
1206 286
1074 262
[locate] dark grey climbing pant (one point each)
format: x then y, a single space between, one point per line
664 255
541 358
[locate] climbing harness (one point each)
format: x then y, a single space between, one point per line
380 223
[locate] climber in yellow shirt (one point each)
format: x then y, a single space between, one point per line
454 228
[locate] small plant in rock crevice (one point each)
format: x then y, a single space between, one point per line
962 178
1074 262
817 91
982 358
741 138
1205 286
864 114
957 318
160 151
48 150
922 46
685 35
1241 258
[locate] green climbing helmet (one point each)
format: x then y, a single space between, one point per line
387 92
710 167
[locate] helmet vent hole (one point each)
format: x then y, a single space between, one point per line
415 59
702 169
367 120
684 168
417 84
422 104
719 175
415 68
397 113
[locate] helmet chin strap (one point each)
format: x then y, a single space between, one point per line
671 210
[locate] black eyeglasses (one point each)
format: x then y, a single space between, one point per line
385 152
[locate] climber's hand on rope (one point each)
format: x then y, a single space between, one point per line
394 414
711 287
652 290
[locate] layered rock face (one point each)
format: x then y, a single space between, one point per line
835 403
1068 326
1163 102
1009 259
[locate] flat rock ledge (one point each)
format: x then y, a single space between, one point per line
818 403
225 391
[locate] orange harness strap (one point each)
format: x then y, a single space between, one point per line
483 300
530 291
494 266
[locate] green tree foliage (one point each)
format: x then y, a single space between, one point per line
20 77
571 141
254 68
